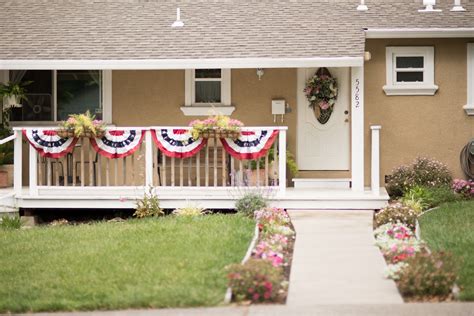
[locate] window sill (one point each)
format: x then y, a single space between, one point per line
469 108
197 110
411 90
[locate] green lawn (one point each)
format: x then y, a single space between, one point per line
451 228
167 262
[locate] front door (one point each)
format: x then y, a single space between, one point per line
324 146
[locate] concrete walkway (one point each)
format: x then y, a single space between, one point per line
335 261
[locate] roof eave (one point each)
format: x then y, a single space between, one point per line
137 64
419 33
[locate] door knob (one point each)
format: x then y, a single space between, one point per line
346 112
346 120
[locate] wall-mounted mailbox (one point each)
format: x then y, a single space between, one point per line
278 107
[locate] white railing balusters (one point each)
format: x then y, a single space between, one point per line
150 167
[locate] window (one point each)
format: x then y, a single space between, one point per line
207 89
469 107
54 94
410 71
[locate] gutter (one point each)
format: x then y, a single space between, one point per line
138 64
419 32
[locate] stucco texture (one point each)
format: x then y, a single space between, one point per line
146 98
431 126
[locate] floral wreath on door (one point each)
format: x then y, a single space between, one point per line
321 91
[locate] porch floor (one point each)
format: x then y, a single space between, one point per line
208 197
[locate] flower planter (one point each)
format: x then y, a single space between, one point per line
220 134
11 101
64 133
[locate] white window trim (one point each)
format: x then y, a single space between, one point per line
427 87
191 108
106 100
469 107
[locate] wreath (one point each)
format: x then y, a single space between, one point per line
321 91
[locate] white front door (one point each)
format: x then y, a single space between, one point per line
324 146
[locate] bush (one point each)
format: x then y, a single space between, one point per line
149 206
250 203
189 210
256 280
422 172
465 188
396 213
428 275
427 197
11 222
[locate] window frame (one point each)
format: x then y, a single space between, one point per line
469 107
426 87
106 94
192 108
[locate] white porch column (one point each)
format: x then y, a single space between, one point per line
357 128
17 163
375 159
148 159
282 161
33 163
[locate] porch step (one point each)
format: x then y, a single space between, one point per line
309 183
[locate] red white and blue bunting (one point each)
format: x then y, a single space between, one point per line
48 144
177 143
250 144
118 143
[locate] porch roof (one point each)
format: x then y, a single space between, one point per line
137 34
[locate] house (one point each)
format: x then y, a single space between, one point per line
404 70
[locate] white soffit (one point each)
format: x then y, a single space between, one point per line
419 33
137 64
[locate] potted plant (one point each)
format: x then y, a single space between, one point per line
82 125
290 164
218 126
13 94
6 155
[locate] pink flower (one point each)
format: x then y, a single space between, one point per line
324 105
267 295
255 297
71 120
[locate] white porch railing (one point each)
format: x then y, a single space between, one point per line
211 168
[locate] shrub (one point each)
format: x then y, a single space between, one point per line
11 222
428 197
148 206
396 213
256 280
189 210
250 203
422 172
428 275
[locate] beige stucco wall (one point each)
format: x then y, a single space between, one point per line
432 126
145 98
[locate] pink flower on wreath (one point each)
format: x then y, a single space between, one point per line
324 105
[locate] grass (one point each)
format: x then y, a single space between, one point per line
451 228
148 263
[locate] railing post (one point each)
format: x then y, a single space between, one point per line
33 170
148 160
282 161
375 167
17 163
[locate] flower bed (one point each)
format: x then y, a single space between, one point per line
264 277
421 275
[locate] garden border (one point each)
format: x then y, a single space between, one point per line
253 242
